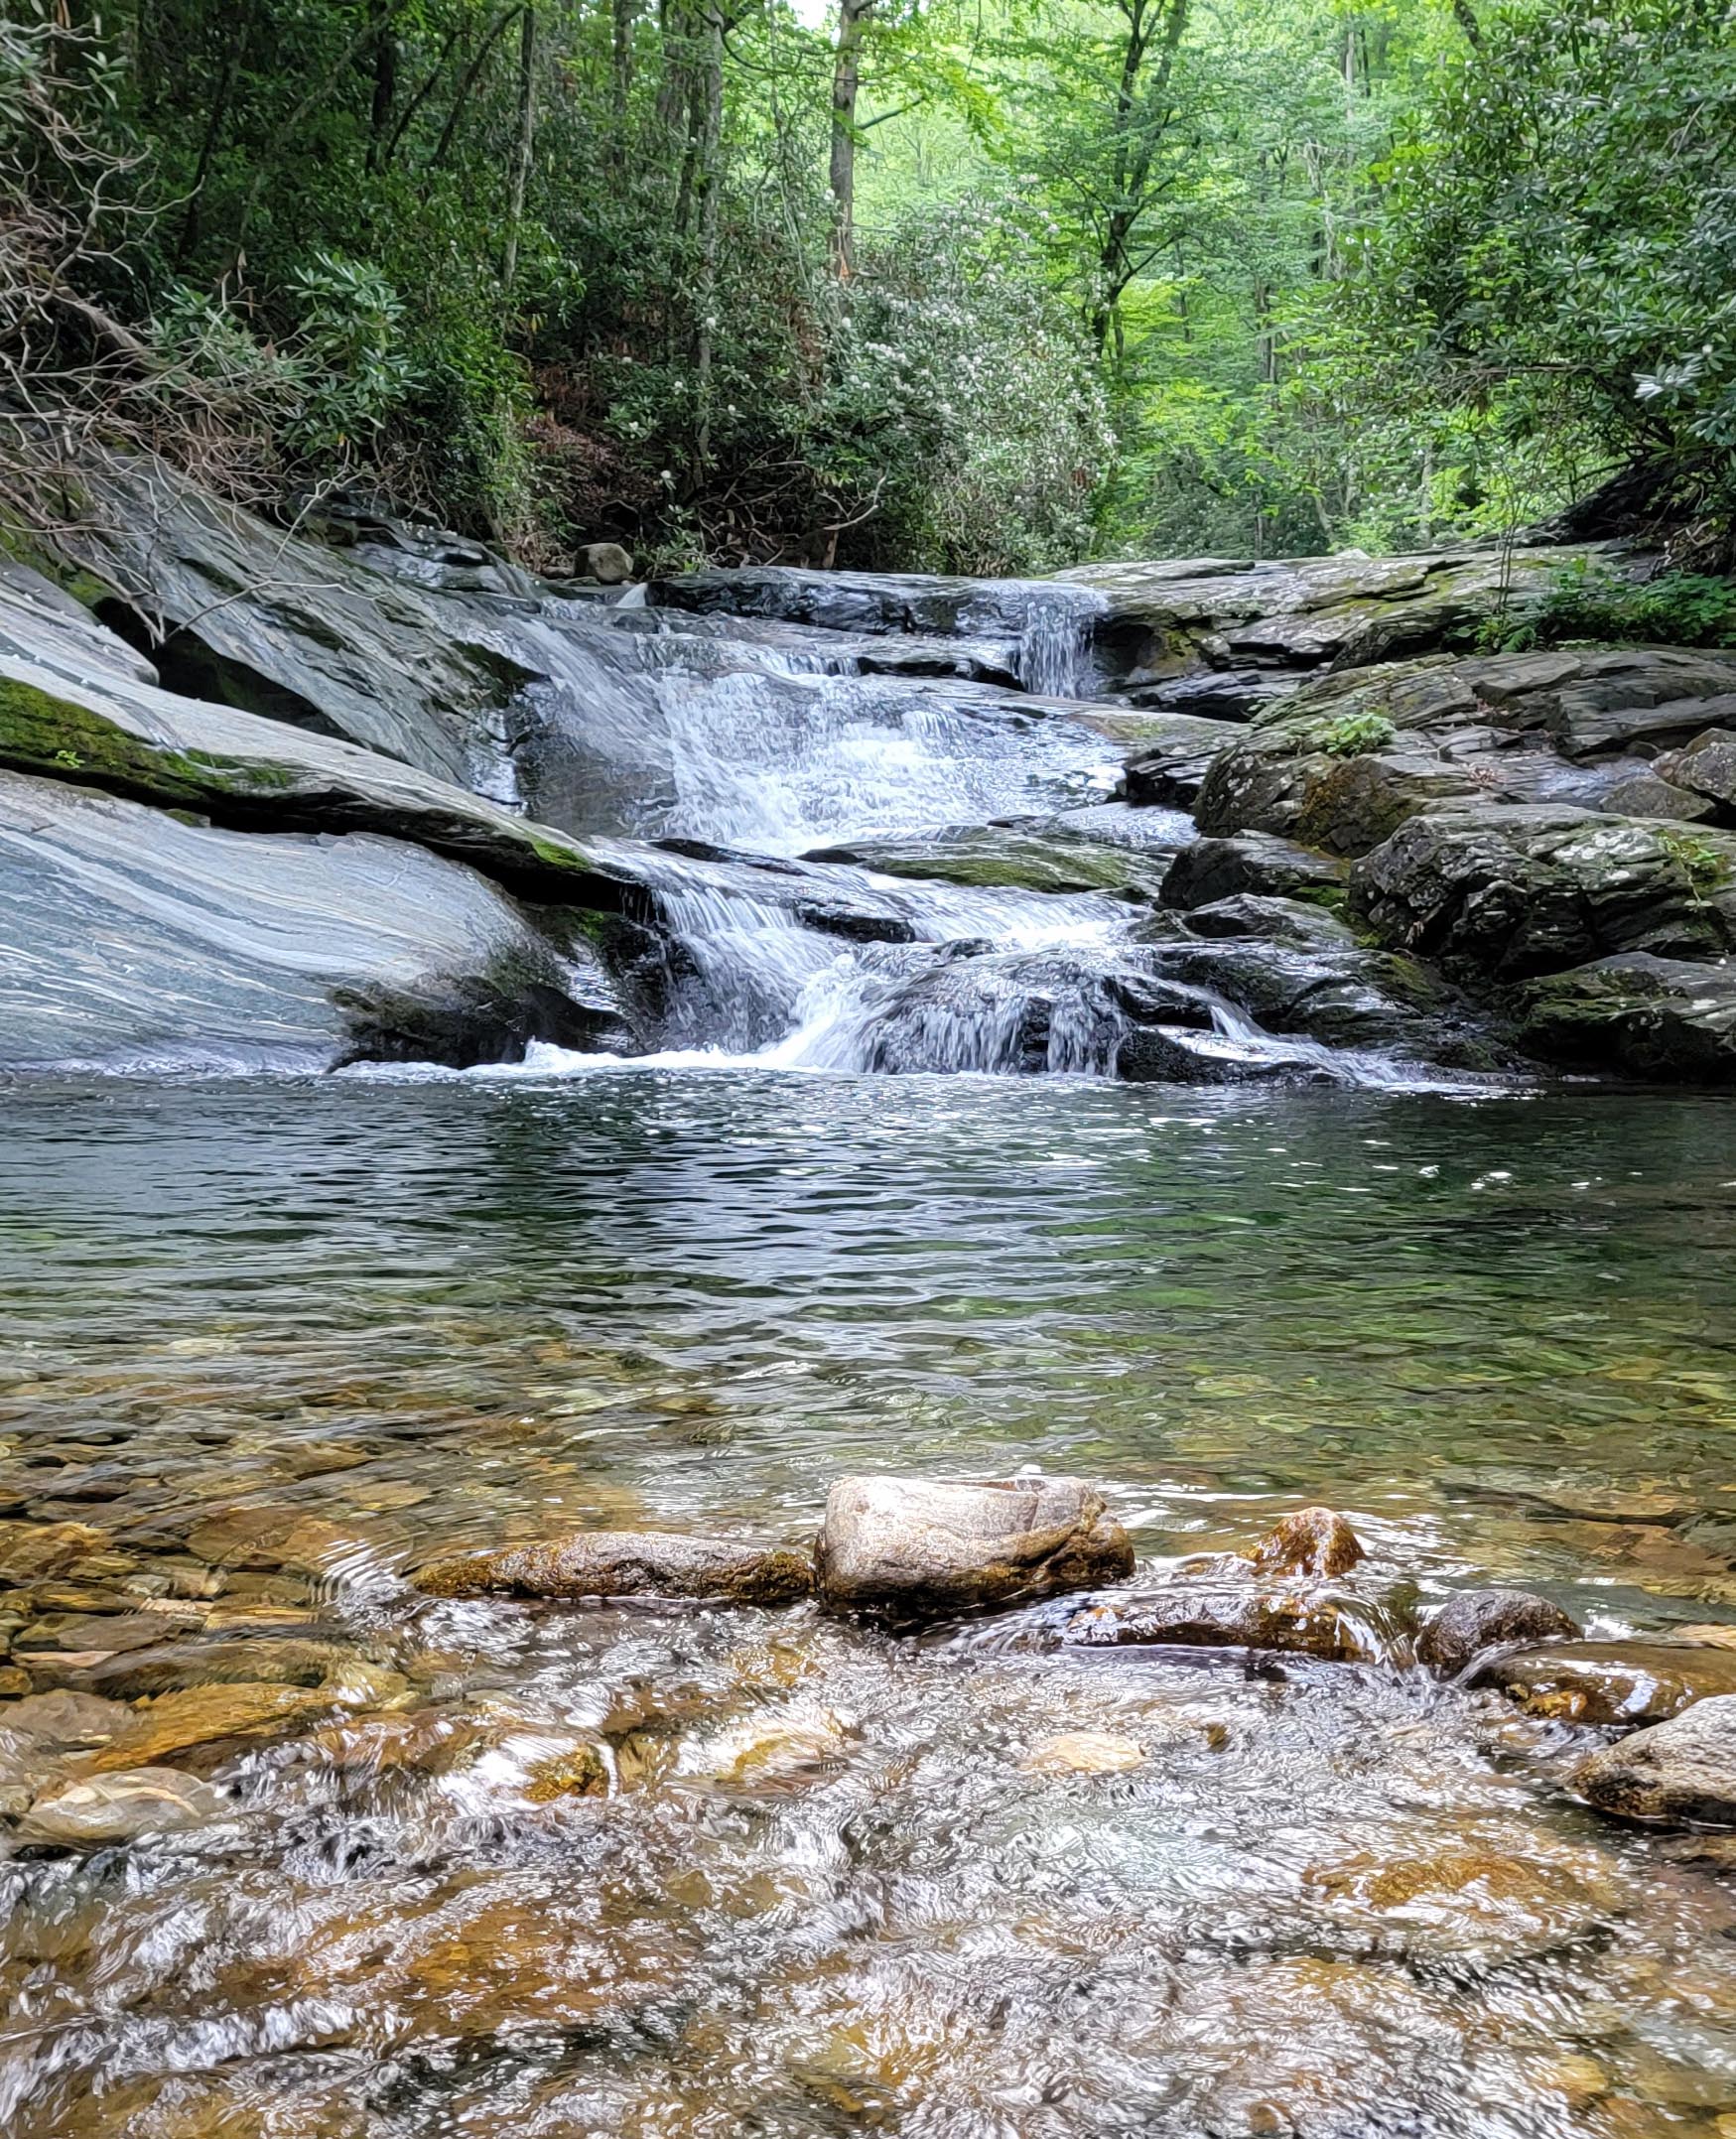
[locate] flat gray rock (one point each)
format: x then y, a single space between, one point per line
628 1563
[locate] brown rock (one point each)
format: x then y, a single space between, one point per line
1610 1683
1684 1769
29 1549
1478 1619
605 561
68 1721
1306 1622
13 1681
1313 1541
627 1564
207 1718
922 1548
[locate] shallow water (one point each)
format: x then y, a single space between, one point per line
278 1342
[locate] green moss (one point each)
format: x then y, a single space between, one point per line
1705 866
61 741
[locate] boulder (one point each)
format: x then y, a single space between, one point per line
1212 869
106 1809
1179 1054
1025 860
605 561
1649 794
1607 1684
924 1547
1506 892
627 1564
1683 1769
1297 923
1707 768
1311 1620
1313 1541
1175 752
1475 1620
1656 1018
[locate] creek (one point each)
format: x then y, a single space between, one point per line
267 1342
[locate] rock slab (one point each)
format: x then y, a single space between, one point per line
627 1564
923 1547
1480 1619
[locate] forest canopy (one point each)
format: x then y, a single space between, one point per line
985 284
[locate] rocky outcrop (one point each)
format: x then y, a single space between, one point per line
1030 860
1653 1017
1680 1770
1256 864
1509 892
627 1564
261 618
925 1549
1459 1631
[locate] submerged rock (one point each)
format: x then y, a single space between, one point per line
921 1547
1313 1541
628 1563
1683 1769
108 1809
1478 1619
203 1719
1610 1683
1084 1752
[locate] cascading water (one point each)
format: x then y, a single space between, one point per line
1055 652
752 741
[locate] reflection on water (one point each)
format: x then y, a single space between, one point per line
569 1871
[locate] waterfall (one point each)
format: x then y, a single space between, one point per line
1056 647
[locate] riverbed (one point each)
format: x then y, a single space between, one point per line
573 1870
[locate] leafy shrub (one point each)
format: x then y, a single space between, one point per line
1587 601
1354 734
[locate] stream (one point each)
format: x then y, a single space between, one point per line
646 1871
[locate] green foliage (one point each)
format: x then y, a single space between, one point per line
1354 734
1706 868
1588 602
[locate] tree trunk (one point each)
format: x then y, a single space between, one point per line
385 91
449 133
852 20
710 185
523 141
621 73
214 133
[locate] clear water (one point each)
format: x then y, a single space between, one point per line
828 1891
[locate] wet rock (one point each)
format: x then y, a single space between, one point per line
1478 1619
1173 1054
605 561
1265 917
628 1563
257 1659
1313 1541
1084 1752
67 1721
1657 1017
1680 1770
29 1549
1022 860
1218 869
781 1750
1312 1622
14 1680
1509 892
579 1772
204 1719
1170 766
121 1808
1707 768
920 1548
1610 1683
111 1633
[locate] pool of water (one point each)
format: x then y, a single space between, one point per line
562 1871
